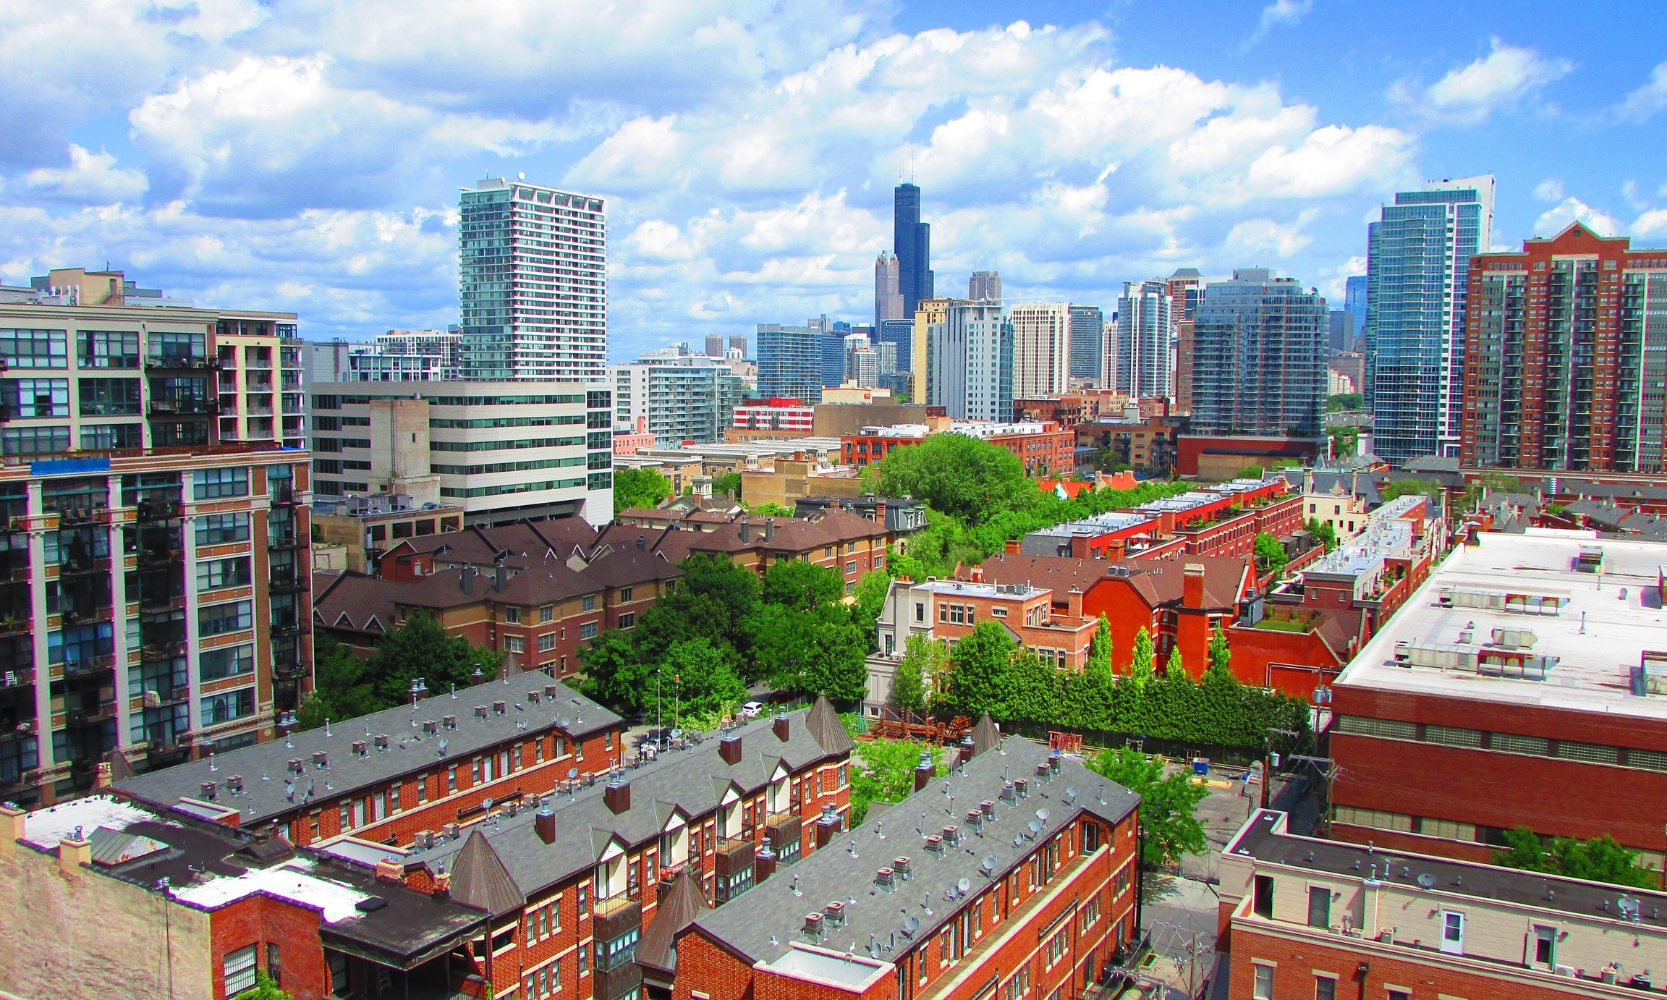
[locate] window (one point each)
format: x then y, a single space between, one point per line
1403 994
587 630
107 348
1325 988
1319 906
105 437
628 620
31 398
547 614
108 397
1263 988
546 642
210 484
625 595
218 619
34 348
212 574
228 705
239 969
515 644
512 616
589 602
227 661
218 529
451 779
34 440
851 567
274 967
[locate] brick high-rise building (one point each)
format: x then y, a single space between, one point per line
1186 287
1566 353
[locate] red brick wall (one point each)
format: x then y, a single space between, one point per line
1299 960
1273 658
259 919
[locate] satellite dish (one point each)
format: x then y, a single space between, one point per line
1034 826
963 885
1427 880
1042 814
989 864
911 924
487 802
1070 795
572 772
1018 840
566 722
444 743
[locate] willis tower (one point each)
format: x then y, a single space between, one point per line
912 242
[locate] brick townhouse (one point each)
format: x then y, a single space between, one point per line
1305 918
1022 886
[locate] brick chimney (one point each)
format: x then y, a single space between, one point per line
1079 547
1012 546
1114 549
977 574
729 748
442 885
616 795
544 823
1192 588
924 771
1073 602
780 727
72 854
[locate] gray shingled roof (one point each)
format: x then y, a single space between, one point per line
479 879
765 923
824 724
693 780
263 766
677 909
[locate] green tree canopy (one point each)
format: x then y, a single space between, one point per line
729 482
771 509
978 672
639 488
802 585
1141 667
698 681
1168 824
1412 484
344 685
1272 553
884 772
959 475
421 648
1221 658
1599 860
920 660
615 675
1324 531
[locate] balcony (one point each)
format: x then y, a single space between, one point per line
182 407
158 510
83 718
617 910
18 678
83 566
283 495
81 513
180 362
160 557
285 580
84 614
89 664
157 651
285 540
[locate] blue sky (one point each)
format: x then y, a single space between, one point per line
306 154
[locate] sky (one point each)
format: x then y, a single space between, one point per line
306 155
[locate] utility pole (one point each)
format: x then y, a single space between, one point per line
1267 761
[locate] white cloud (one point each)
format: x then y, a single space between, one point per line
1650 223
1550 189
1648 99
1254 237
1277 13
90 179
1506 76
1574 210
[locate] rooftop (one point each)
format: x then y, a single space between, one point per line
1583 632
985 590
269 789
1096 525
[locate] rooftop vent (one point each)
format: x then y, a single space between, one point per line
208 790
883 878
834 912
381 741
1009 793
934 843
480 712
550 691
1022 787
499 708
813 924
975 820
234 784
321 759
952 835
294 766
988 808
430 727
901 867
359 748
448 721
532 697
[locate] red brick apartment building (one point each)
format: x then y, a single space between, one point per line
544 887
1308 918
1519 686
1558 360
1032 894
1042 446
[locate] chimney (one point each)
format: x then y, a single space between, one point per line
502 576
729 748
466 580
826 825
1192 588
924 771
1079 547
977 574
442 885
102 779
769 528
544 822
388 870
616 795
1308 480
763 864
1012 546
11 827
642 425
779 726
1073 602
746 531
73 853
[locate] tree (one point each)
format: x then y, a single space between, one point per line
729 482
1324 531
1167 801
802 585
1221 658
1175 664
871 598
344 686
921 655
423 649
1411 484
978 670
1344 401
1271 553
959 475
715 575
1099 651
1599 860
1140 665
264 989
771 509
884 772
698 680
639 488
614 674
1250 472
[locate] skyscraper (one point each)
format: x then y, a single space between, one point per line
888 300
833 348
532 283
1259 360
1041 348
912 241
1354 303
1418 261
970 361
1566 350
790 361
714 345
984 286
1088 330
901 334
738 342
1145 360
1185 287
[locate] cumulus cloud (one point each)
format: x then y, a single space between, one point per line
1277 13
1550 189
1574 210
1648 99
1506 76
89 179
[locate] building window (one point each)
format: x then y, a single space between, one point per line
219 529
587 630
108 437
211 484
239 969
547 614
515 644
218 619
213 574
109 397
34 348
546 642
227 661
1263 988
512 616
589 602
628 621
625 595
1325 988
228 705
34 440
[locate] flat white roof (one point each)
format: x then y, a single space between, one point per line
292 880
1016 591
1605 623
45 827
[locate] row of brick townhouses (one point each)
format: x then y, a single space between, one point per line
1303 917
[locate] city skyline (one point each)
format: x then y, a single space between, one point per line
300 162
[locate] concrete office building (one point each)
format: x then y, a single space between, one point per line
533 283
1566 355
984 286
1041 348
680 396
790 361
1144 364
888 299
404 356
1418 266
912 242
505 452
714 345
1088 330
738 342
970 362
1260 360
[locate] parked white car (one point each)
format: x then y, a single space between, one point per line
752 710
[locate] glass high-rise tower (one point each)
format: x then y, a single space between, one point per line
1418 265
1259 356
533 283
912 242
